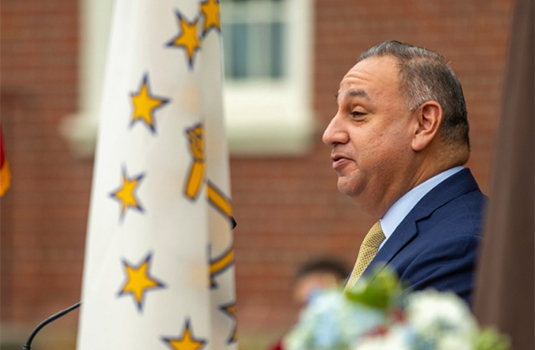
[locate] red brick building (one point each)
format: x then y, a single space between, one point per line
287 207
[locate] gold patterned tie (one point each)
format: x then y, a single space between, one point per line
367 252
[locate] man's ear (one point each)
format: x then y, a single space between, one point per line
429 117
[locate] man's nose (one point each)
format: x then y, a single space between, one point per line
335 132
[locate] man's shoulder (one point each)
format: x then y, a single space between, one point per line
458 196
454 208
458 217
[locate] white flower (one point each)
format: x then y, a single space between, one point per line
398 337
454 342
332 322
442 319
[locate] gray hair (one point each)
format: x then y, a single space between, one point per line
425 75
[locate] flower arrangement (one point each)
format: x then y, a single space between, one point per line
378 315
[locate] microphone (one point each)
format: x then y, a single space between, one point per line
52 318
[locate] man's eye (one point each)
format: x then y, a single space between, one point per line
357 114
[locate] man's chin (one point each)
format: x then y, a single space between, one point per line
347 187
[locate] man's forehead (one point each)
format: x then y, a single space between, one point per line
368 74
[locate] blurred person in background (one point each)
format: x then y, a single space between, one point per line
312 277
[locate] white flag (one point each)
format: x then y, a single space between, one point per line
159 258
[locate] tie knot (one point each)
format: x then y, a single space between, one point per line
374 237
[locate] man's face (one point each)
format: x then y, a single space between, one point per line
371 135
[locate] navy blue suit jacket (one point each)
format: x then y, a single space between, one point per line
435 246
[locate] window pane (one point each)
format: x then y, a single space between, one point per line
253 35
277 49
258 53
239 61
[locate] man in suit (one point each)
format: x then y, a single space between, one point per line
399 142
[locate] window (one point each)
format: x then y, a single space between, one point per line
254 38
268 57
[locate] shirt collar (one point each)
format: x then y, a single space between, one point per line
399 210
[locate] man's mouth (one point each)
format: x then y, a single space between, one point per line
339 160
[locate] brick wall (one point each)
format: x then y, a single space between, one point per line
44 214
288 209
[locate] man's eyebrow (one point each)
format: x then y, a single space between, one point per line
355 93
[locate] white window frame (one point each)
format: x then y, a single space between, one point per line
274 117
264 117
81 128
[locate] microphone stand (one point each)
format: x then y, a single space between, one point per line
52 318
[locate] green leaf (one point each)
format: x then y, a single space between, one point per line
490 339
381 290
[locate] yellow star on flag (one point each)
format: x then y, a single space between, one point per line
210 10
139 281
187 341
126 193
230 310
145 104
188 39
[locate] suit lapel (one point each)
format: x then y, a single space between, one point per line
403 234
453 187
